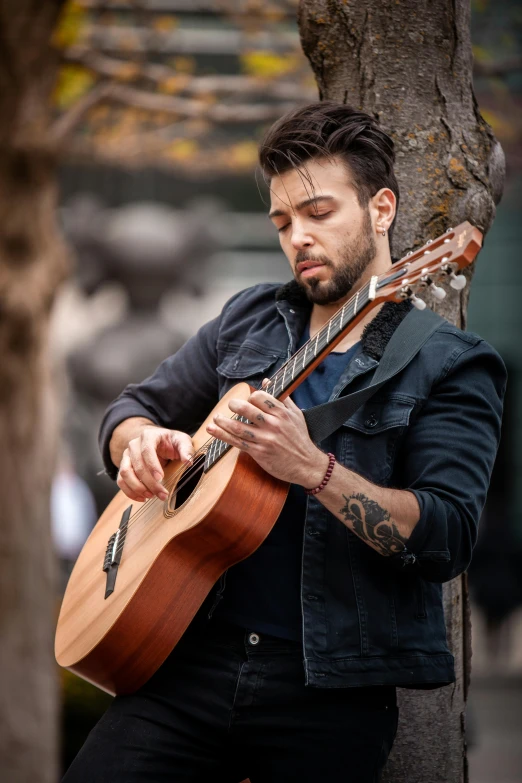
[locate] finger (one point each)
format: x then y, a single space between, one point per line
248 411
127 474
241 442
237 428
289 403
142 453
183 444
125 488
151 447
265 402
265 382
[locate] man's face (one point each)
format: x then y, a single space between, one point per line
325 234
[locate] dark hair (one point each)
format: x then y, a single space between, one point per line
328 129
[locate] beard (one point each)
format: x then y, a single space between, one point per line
354 258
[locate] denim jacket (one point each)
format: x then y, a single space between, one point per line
432 429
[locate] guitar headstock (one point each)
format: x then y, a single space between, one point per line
439 261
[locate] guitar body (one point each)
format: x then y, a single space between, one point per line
173 553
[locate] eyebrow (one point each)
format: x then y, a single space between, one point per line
301 205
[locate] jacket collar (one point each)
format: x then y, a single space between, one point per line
376 334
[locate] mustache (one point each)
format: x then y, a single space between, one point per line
303 255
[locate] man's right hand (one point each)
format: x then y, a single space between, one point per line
143 460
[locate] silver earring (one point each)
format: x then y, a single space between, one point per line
384 233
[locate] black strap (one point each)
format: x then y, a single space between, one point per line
405 343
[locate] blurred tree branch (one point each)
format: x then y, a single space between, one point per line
125 71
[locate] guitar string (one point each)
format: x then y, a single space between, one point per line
280 375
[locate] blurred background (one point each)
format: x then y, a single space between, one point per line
165 216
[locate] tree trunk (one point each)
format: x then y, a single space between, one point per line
32 263
408 63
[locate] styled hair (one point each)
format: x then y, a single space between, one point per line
327 129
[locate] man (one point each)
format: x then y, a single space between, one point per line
288 672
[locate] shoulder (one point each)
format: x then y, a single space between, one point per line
260 295
457 348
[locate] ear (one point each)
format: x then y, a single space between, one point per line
382 209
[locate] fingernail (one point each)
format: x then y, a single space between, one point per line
163 496
157 475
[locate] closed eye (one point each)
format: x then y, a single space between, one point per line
320 216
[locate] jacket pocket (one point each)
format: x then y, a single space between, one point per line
370 436
246 363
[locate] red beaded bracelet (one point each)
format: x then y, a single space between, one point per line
326 479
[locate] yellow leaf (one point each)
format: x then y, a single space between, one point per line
183 64
501 127
268 65
182 149
244 154
481 54
173 84
73 82
164 24
70 23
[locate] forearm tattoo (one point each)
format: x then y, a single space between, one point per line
372 524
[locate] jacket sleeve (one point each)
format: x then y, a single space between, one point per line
179 394
447 460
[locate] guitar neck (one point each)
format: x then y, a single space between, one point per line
301 364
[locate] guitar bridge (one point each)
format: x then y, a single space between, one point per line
113 552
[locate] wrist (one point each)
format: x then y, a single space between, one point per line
316 470
124 432
326 478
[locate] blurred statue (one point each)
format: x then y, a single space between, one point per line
146 249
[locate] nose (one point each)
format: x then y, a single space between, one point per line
301 239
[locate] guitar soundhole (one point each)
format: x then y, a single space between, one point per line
187 484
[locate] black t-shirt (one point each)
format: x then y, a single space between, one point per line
263 592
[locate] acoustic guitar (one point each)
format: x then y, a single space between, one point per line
146 568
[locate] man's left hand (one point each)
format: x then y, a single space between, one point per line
276 436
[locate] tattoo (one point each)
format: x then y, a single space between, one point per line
245 444
249 434
260 417
269 403
372 524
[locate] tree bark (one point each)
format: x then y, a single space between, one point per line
409 64
32 263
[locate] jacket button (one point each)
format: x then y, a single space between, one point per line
408 558
312 597
371 421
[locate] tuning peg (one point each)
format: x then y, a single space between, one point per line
420 304
438 292
458 282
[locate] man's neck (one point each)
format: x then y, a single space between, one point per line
322 313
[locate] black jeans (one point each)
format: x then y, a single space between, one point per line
228 705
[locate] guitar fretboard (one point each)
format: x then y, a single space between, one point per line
295 369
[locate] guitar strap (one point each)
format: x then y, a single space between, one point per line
405 343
